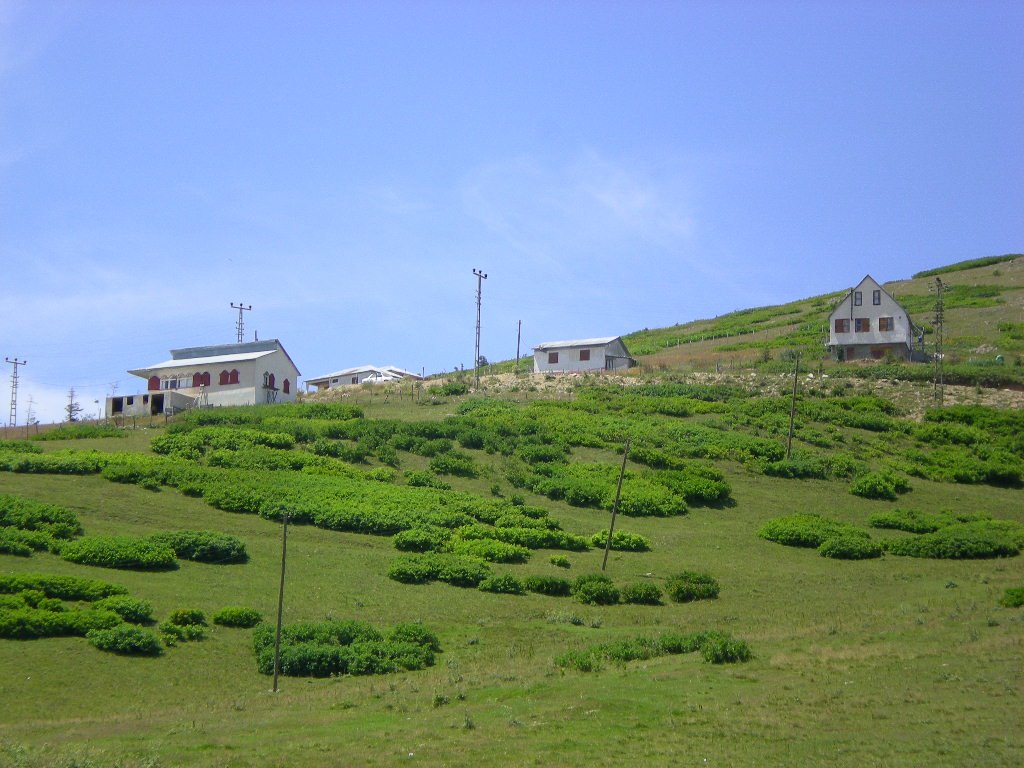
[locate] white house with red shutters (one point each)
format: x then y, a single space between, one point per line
248 373
869 323
607 353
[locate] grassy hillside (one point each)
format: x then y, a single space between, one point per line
984 309
910 656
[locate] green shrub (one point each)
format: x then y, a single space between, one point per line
61 587
423 479
28 515
184 617
803 530
461 570
885 485
454 463
1013 597
642 593
505 584
962 541
51 621
913 521
173 634
621 541
125 640
491 550
12 543
415 634
203 546
548 585
595 589
412 569
345 647
426 539
119 552
237 616
688 586
850 546
130 609
719 648
560 561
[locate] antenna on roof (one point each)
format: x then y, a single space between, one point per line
240 324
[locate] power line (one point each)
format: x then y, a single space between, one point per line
14 389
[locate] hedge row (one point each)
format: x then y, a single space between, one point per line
829 537
716 648
332 648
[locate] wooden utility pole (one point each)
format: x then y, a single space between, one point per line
792 406
615 506
280 602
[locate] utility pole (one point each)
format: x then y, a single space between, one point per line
939 385
280 601
519 337
615 506
480 277
792 406
14 389
240 324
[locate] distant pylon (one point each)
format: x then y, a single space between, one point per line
240 324
13 421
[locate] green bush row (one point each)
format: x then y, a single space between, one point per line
716 648
332 648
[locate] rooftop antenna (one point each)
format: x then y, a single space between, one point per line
240 323
480 277
14 388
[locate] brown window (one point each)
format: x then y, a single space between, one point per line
286 387
843 325
154 383
552 357
862 324
225 378
206 379
197 379
858 298
233 377
877 353
584 355
876 297
355 379
886 324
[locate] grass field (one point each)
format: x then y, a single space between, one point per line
894 661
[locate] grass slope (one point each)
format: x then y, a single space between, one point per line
897 661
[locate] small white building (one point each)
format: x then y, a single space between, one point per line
248 373
608 353
371 374
869 323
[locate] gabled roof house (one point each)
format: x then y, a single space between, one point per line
372 374
607 353
869 323
247 373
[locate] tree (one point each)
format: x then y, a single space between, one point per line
73 408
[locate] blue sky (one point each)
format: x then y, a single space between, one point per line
343 167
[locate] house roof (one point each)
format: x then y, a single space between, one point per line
388 370
598 342
201 362
217 354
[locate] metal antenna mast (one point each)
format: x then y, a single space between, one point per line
939 383
240 324
480 277
14 389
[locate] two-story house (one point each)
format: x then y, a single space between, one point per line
869 324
